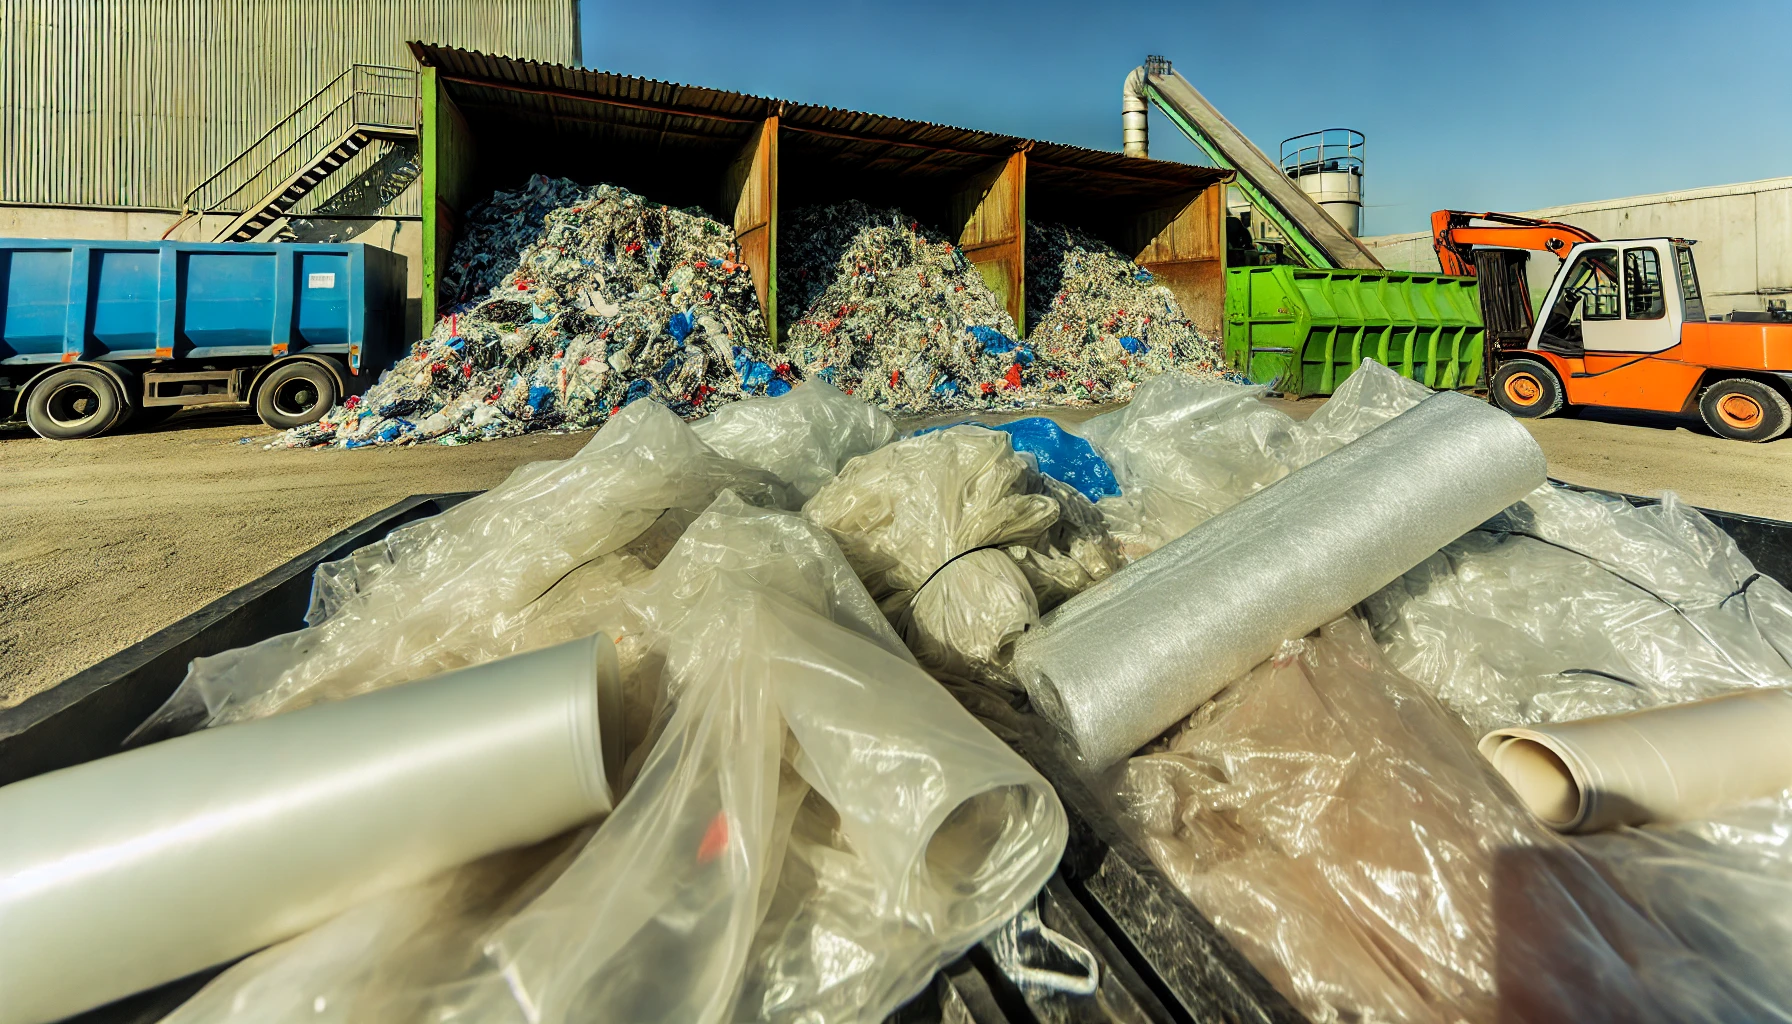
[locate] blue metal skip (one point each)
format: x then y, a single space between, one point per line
66 300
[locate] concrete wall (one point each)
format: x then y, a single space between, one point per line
1744 233
403 235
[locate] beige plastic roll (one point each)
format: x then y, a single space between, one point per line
133 870
1126 659
1668 763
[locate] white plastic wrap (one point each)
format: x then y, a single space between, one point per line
1118 664
1338 826
1185 448
802 438
133 870
1575 604
815 828
1669 763
505 571
962 541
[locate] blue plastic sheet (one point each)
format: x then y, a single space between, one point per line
1061 455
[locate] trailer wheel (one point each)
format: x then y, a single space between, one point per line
73 404
1526 388
1745 410
294 395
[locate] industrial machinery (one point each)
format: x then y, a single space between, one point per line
1623 326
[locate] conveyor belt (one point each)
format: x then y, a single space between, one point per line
1310 228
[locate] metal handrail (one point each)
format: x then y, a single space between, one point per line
1326 155
357 102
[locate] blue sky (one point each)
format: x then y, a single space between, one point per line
1484 106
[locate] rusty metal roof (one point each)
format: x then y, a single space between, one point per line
668 108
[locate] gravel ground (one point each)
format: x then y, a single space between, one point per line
102 542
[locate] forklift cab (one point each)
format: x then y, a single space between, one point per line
1630 296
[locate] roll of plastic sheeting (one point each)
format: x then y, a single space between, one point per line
1668 763
126 872
1126 659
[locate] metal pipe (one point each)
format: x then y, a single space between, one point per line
1134 127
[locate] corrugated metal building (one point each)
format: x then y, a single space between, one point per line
128 104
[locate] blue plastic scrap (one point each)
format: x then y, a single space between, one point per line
1061 455
679 326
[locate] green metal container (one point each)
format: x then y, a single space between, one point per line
1304 331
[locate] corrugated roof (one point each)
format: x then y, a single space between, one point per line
673 108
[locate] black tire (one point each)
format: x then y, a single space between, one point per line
1526 388
1745 410
295 394
73 404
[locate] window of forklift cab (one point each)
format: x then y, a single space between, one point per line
1689 285
1591 291
1644 297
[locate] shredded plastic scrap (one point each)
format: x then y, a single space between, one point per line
891 310
1102 317
573 302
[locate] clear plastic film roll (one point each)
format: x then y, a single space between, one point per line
136 869
1671 763
1121 662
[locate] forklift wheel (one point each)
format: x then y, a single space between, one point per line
1526 388
1745 410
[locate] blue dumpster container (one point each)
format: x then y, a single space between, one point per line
156 318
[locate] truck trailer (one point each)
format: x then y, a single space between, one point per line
95 335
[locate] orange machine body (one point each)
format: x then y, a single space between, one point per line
1669 381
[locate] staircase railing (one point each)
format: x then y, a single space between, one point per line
365 96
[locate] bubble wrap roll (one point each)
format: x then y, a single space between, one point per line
1118 664
136 869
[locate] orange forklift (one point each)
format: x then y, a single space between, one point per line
1622 327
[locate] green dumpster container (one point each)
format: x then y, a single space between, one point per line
1304 331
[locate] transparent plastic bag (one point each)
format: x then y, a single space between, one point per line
815 826
963 543
517 567
1573 604
1336 823
1187 448
802 438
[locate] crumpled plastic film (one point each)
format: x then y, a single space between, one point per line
815 827
570 303
836 428
1116 665
1337 825
962 541
520 566
1103 318
1574 604
1187 448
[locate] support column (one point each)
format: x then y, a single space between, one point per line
990 215
750 194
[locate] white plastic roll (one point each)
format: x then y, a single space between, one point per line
1667 763
133 870
1126 659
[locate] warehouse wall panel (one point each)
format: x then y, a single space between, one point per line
128 104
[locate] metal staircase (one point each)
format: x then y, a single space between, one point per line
263 184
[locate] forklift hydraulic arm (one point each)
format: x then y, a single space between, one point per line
1455 237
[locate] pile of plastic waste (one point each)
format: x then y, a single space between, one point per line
574 303
1101 316
892 312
